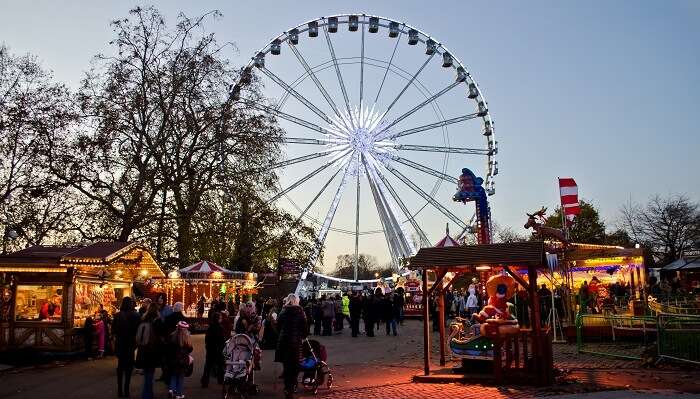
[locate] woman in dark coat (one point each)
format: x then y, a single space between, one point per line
148 355
292 331
214 342
124 326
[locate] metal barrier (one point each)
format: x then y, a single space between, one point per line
684 305
620 336
678 337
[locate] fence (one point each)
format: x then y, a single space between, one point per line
620 336
683 305
679 337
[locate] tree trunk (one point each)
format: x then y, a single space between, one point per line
184 239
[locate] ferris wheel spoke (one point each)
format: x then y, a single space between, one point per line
291 118
424 168
421 234
451 150
323 232
299 182
337 72
296 94
435 125
427 197
386 71
390 231
410 82
421 105
362 64
292 161
371 165
315 79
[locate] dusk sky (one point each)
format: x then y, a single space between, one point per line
605 92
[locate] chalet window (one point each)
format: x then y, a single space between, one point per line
39 303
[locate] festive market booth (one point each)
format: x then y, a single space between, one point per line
209 280
687 270
49 291
512 353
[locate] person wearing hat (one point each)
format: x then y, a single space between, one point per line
179 360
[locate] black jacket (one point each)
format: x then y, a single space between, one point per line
214 341
292 330
124 329
355 306
171 321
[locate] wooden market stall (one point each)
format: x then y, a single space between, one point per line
525 357
49 291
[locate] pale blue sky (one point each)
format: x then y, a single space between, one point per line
605 92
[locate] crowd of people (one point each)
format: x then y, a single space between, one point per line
329 313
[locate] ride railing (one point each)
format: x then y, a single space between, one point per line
619 336
678 337
683 305
519 354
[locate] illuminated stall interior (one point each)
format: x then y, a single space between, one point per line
49 291
209 280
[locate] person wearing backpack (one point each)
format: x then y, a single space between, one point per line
124 327
179 360
148 355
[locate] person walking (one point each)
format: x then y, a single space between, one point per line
328 307
317 313
345 301
148 356
124 327
179 360
400 302
387 309
292 326
100 334
214 342
355 309
88 334
271 330
338 306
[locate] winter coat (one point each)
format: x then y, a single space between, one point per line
355 306
177 357
328 308
214 341
317 311
387 308
148 355
172 320
124 329
338 304
292 330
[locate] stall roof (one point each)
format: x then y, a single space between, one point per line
520 253
100 254
683 264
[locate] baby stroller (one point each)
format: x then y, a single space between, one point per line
239 374
315 369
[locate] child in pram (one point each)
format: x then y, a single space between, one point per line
314 366
239 371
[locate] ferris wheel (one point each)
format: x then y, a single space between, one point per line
379 119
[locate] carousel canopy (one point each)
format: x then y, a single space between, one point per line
205 266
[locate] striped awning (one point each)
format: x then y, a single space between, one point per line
446 241
204 266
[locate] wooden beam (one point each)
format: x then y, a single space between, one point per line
438 281
517 278
426 326
441 319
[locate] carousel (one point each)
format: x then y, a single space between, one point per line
207 280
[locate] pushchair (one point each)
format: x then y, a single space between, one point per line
239 371
314 367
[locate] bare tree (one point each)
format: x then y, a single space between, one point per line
34 206
667 227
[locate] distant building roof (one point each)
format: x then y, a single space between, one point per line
683 264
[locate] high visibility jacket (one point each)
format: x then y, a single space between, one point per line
346 305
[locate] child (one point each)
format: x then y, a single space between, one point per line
100 333
179 360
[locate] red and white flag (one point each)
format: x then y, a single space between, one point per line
568 191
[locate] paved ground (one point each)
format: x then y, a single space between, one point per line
366 368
